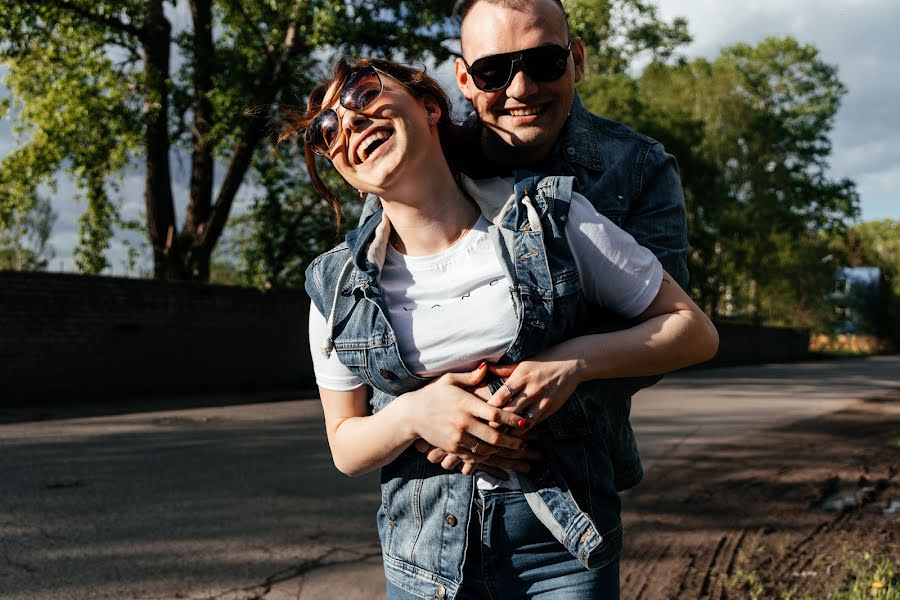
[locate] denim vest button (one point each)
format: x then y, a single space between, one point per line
440 592
450 520
389 375
570 151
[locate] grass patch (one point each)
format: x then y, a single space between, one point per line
868 578
872 578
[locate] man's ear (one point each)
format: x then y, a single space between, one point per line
578 58
462 80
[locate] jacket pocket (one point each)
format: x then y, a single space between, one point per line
608 551
579 417
401 486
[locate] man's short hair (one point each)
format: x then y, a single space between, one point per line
463 7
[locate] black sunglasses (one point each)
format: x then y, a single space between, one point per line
543 63
360 91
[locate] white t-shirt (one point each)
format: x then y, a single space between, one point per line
452 310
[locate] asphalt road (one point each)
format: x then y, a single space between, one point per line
242 501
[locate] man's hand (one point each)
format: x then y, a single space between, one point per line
514 460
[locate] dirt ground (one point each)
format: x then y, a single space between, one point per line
789 513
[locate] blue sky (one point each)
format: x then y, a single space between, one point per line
859 36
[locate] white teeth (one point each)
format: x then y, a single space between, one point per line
524 112
362 151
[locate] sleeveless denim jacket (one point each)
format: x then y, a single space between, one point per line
425 510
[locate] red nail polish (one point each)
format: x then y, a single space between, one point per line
522 423
483 364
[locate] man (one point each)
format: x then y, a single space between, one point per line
528 115
519 67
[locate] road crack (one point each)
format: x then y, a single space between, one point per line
326 558
19 565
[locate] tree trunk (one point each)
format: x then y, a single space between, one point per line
196 257
158 198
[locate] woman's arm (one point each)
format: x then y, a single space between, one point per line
673 333
442 413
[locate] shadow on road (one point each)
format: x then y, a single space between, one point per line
144 506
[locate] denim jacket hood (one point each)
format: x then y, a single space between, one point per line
425 509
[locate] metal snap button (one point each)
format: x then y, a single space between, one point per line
570 151
441 592
389 375
451 520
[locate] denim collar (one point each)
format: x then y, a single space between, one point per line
359 240
578 140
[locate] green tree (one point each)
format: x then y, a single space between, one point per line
751 131
25 242
287 226
96 85
617 33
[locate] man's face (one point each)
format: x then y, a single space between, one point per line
527 115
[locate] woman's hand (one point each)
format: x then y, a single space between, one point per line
672 333
494 464
538 387
448 417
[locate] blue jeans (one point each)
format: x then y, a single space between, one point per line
518 558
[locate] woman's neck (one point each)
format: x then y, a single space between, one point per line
429 212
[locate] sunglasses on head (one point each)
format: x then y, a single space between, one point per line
543 63
358 93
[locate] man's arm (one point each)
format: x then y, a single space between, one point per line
657 219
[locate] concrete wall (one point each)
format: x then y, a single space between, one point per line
749 344
74 335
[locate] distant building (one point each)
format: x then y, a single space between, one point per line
856 298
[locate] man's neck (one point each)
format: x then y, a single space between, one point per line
509 157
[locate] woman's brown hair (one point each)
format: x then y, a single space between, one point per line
416 81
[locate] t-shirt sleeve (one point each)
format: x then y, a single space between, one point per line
615 271
330 372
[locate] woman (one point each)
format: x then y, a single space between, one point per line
453 275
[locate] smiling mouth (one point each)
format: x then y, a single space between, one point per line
526 111
372 143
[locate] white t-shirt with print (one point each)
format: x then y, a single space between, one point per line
454 309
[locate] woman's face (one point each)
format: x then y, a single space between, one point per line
379 144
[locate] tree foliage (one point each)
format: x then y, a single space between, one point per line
97 85
751 130
617 33
287 226
24 244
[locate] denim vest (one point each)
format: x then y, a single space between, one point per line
425 510
634 182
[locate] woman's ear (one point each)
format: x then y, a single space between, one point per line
432 110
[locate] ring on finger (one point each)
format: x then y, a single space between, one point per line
529 415
475 448
509 389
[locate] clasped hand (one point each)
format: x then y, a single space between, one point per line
534 390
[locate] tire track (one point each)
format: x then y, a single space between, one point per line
647 567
